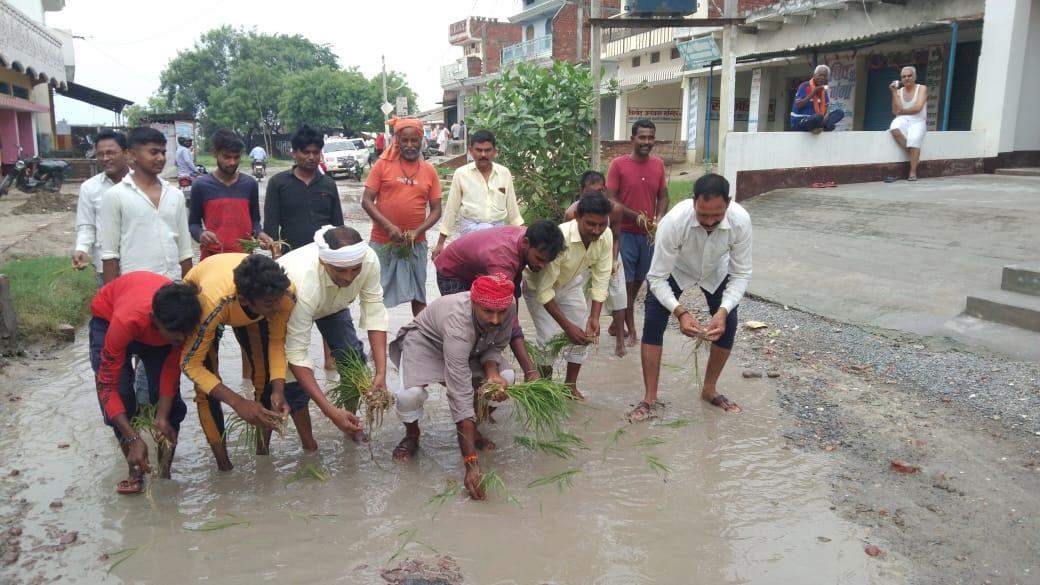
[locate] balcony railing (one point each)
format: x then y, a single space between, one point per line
536 48
453 72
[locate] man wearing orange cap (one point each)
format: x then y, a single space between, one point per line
403 198
457 342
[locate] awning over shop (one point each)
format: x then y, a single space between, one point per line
30 48
94 97
861 42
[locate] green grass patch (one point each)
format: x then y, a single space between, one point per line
47 292
679 190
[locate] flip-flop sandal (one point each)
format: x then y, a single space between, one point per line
819 185
410 451
641 413
830 184
911 179
725 404
130 486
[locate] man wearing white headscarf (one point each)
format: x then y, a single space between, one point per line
329 275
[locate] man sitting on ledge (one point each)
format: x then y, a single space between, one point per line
809 112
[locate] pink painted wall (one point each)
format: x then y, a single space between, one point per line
26 134
8 136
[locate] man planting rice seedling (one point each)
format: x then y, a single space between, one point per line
238 290
555 296
329 274
457 339
145 315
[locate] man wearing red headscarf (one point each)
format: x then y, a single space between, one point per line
403 198
457 342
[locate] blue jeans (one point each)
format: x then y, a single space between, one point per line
151 359
636 254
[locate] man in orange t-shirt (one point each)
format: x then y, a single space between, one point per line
403 198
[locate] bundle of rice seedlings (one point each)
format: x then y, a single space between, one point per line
250 245
402 250
562 445
491 481
242 435
540 406
560 480
144 422
545 356
649 224
355 386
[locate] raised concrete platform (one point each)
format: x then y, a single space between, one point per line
1009 308
1022 278
1020 172
900 256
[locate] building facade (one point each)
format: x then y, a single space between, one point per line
34 61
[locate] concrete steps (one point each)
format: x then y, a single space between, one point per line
1022 278
1020 172
1016 302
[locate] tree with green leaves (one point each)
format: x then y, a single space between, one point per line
542 119
329 98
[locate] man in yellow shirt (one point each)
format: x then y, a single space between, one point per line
555 295
237 290
482 194
328 276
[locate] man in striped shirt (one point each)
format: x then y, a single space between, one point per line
238 290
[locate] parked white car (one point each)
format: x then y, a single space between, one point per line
338 150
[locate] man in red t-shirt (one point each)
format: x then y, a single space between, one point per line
401 187
146 315
638 183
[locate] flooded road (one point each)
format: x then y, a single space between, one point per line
735 506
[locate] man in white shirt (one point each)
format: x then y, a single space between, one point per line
482 194
703 242
442 137
555 295
258 154
144 221
329 275
111 152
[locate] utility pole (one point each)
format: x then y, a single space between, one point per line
595 38
727 95
386 116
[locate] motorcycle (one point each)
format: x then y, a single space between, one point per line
185 183
259 169
353 168
30 174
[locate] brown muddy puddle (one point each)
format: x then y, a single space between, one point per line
736 507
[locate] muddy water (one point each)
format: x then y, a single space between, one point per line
737 507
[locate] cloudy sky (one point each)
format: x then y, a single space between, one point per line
127 43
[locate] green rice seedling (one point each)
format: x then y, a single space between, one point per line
214 525
652 441
676 424
245 435
659 468
250 245
451 490
309 517
540 406
571 440
409 538
545 356
700 342
144 422
614 438
547 447
309 471
491 481
402 250
560 480
355 386
122 555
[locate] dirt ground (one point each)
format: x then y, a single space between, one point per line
933 448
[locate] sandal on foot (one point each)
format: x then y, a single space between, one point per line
642 412
130 486
724 403
407 448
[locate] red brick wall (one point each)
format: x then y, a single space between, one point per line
669 150
565 29
498 35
